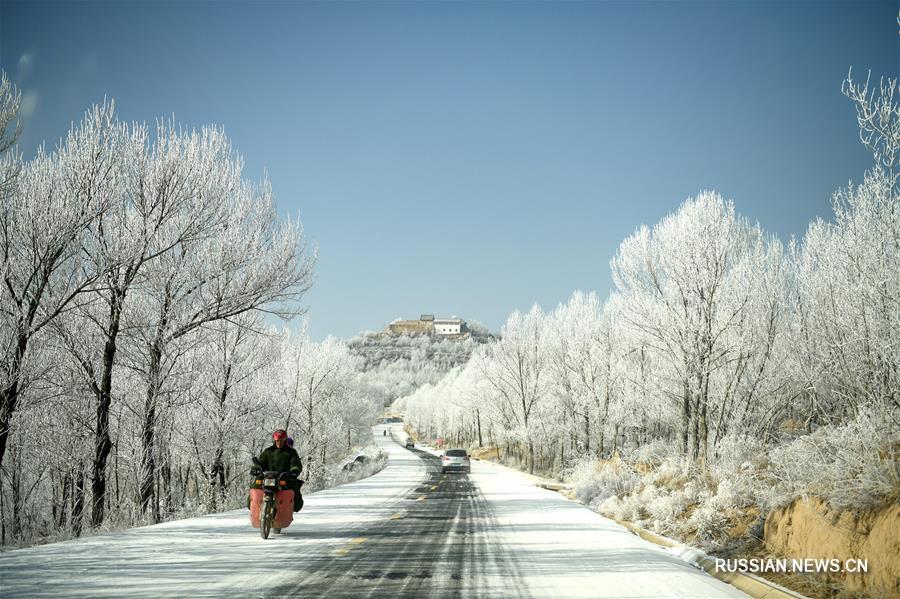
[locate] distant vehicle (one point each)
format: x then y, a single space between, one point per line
409 443
455 459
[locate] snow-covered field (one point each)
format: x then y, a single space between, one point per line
503 536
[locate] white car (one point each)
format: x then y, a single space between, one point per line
455 459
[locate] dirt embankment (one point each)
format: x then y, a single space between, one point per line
808 528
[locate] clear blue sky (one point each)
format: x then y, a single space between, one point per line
475 158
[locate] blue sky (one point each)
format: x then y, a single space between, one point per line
474 158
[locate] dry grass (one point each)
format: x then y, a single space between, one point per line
742 522
486 453
644 468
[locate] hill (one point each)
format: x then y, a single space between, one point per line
396 365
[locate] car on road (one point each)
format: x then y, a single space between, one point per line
455 460
409 443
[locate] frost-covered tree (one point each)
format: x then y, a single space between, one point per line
136 267
519 372
878 116
319 400
43 235
685 287
586 359
228 367
847 284
10 161
248 261
847 302
170 191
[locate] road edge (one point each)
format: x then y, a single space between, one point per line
756 587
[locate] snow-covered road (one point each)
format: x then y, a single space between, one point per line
408 531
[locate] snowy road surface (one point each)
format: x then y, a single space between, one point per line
408 531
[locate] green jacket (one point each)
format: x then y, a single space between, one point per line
283 459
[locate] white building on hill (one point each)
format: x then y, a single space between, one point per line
449 326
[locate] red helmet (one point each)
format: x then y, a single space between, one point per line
280 434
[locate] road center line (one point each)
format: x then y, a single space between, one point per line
350 544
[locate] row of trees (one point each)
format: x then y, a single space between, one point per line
714 327
135 366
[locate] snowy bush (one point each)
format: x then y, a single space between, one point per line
612 507
740 467
594 481
648 493
635 509
710 523
692 493
852 466
652 454
628 508
731 493
673 473
666 508
738 453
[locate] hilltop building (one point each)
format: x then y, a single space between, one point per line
449 326
428 325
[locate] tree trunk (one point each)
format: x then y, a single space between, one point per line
148 493
9 396
2 515
116 474
214 475
478 420
695 430
605 422
102 440
64 500
78 503
16 492
587 432
704 428
562 455
685 418
166 481
148 431
222 487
